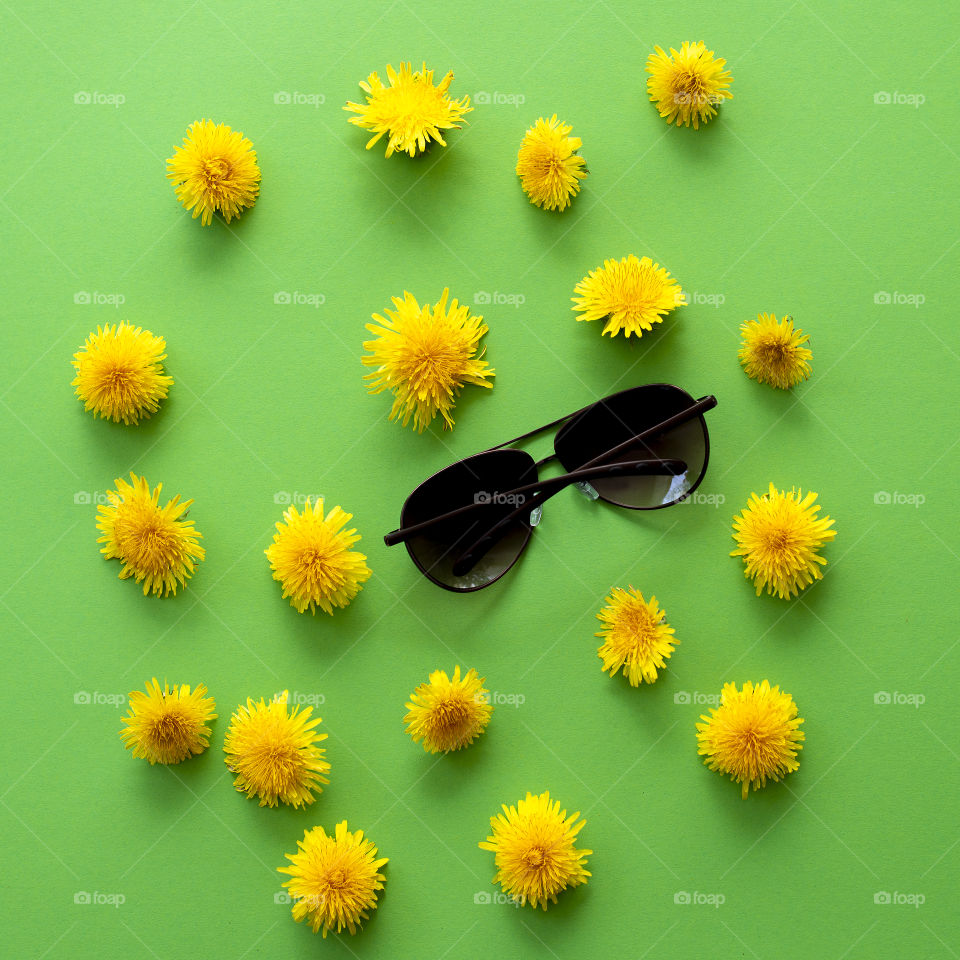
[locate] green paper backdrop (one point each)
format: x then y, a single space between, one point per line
823 191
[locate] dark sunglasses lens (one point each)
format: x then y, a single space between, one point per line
484 479
615 420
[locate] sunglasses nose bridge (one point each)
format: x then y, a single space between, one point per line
587 489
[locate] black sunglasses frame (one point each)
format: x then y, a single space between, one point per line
548 487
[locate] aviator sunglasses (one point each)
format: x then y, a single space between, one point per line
644 448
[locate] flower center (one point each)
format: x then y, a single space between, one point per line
689 85
452 713
535 857
637 629
215 170
146 543
772 351
168 728
754 745
281 753
314 562
337 879
779 540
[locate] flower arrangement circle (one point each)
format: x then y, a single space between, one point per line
274 752
411 111
630 294
334 879
155 544
535 852
688 84
424 356
753 736
168 726
448 713
779 536
311 557
549 167
215 171
773 352
636 636
120 373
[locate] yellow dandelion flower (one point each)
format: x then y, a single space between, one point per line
636 636
311 557
630 294
167 726
549 167
120 373
535 850
752 736
687 85
215 171
333 880
411 110
424 356
154 543
779 537
274 752
773 352
448 713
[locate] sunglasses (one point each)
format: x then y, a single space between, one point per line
644 449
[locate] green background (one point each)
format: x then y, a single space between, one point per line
805 197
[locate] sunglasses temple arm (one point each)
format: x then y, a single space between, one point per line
700 407
466 561
544 490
